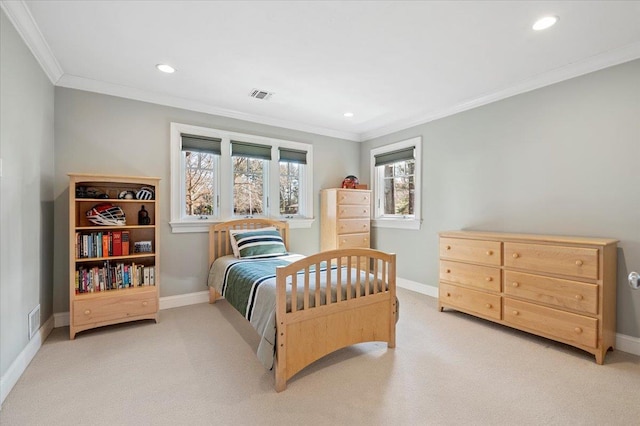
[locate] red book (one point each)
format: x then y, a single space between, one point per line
117 243
125 243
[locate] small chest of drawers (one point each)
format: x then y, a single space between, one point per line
345 218
562 288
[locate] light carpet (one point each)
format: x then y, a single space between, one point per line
197 366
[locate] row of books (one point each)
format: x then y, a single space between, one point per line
102 244
112 276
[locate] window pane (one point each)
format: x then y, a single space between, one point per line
399 188
199 183
289 188
248 191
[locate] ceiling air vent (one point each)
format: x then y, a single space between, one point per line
260 94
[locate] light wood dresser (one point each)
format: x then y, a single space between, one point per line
345 218
561 288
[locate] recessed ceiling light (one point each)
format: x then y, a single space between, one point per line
544 23
348 114
166 68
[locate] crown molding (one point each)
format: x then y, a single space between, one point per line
595 63
81 83
21 18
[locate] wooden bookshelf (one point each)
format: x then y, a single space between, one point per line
106 284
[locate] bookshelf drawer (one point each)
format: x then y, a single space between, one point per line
114 307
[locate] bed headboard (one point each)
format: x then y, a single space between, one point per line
220 245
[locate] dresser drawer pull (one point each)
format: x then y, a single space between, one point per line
489 252
516 313
448 294
87 311
579 297
515 284
578 330
448 271
489 279
579 262
145 303
488 305
448 247
364 210
516 255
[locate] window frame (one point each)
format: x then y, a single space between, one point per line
379 219
181 224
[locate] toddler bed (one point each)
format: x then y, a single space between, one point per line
338 301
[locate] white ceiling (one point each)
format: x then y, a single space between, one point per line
393 64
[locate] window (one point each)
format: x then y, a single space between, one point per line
292 172
218 176
250 172
200 164
395 175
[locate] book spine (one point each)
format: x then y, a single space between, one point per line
117 243
125 243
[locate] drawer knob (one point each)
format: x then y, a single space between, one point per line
87 311
579 262
578 330
145 303
448 294
364 210
448 247
489 252
516 313
488 305
489 279
516 255
515 284
579 297
448 271
344 241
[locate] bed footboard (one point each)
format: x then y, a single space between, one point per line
363 308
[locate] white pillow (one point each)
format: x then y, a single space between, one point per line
234 243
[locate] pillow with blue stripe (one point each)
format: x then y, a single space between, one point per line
258 243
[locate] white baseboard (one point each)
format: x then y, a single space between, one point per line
417 287
19 365
169 302
623 343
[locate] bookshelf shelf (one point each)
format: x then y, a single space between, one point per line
109 280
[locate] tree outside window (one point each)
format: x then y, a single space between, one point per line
248 186
289 188
199 183
399 188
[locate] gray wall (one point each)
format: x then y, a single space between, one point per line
564 159
110 135
26 194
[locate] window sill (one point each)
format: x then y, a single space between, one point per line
396 223
183 227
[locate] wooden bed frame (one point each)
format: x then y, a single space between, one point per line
306 335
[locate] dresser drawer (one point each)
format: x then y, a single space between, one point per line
351 226
353 241
565 326
477 251
572 261
482 277
354 212
114 307
577 296
481 303
354 197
